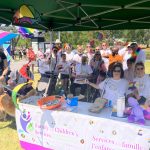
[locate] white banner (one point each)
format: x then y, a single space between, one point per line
61 130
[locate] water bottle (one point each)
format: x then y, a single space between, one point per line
62 93
120 106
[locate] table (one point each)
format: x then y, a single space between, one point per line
79 130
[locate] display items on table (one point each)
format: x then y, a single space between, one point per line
72 101
146 108
137 114
120 106
98 105
50 102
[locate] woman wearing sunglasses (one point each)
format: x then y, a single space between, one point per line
114 86
142 83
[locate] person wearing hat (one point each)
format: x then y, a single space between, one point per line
138 55
58 44
3 65
82 71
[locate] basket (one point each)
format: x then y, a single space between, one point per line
43 102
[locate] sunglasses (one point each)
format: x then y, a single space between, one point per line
116 70
140 68
103 45
97 49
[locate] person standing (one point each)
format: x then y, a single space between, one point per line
138 55
32 58
3 65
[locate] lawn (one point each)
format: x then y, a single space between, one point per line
147 67
9 138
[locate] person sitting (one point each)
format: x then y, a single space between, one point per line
64 69
83 71
129 72
142 83
113 87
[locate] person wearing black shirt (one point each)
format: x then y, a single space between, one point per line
3 65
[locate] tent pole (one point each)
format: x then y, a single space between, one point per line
59 35
51 36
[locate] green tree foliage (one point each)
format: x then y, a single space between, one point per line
81 37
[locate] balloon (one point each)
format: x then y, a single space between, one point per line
100 36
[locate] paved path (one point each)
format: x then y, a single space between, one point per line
16 65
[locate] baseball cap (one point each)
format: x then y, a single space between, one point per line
132 45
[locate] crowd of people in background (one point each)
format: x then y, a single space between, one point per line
94 64
103 66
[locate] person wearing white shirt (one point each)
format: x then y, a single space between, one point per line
83 71
139 54
43 65
142 81
113 87
69 54
77 57
105 51
53 61
90 53
64 70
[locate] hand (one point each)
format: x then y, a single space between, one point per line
87 81
2 78
136 94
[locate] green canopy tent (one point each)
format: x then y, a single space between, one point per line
76 15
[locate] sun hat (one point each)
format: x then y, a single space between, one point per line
57 41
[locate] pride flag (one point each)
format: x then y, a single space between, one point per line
6 36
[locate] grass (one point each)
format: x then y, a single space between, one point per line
9 138
147 67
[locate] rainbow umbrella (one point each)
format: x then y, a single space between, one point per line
6 36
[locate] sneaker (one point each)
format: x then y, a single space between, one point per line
81 96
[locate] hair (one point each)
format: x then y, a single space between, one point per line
99 56
139 64
63 54
121 68
130 60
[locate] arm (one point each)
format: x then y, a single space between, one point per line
5 68
93 85
2 77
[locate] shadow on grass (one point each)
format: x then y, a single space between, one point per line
10 123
